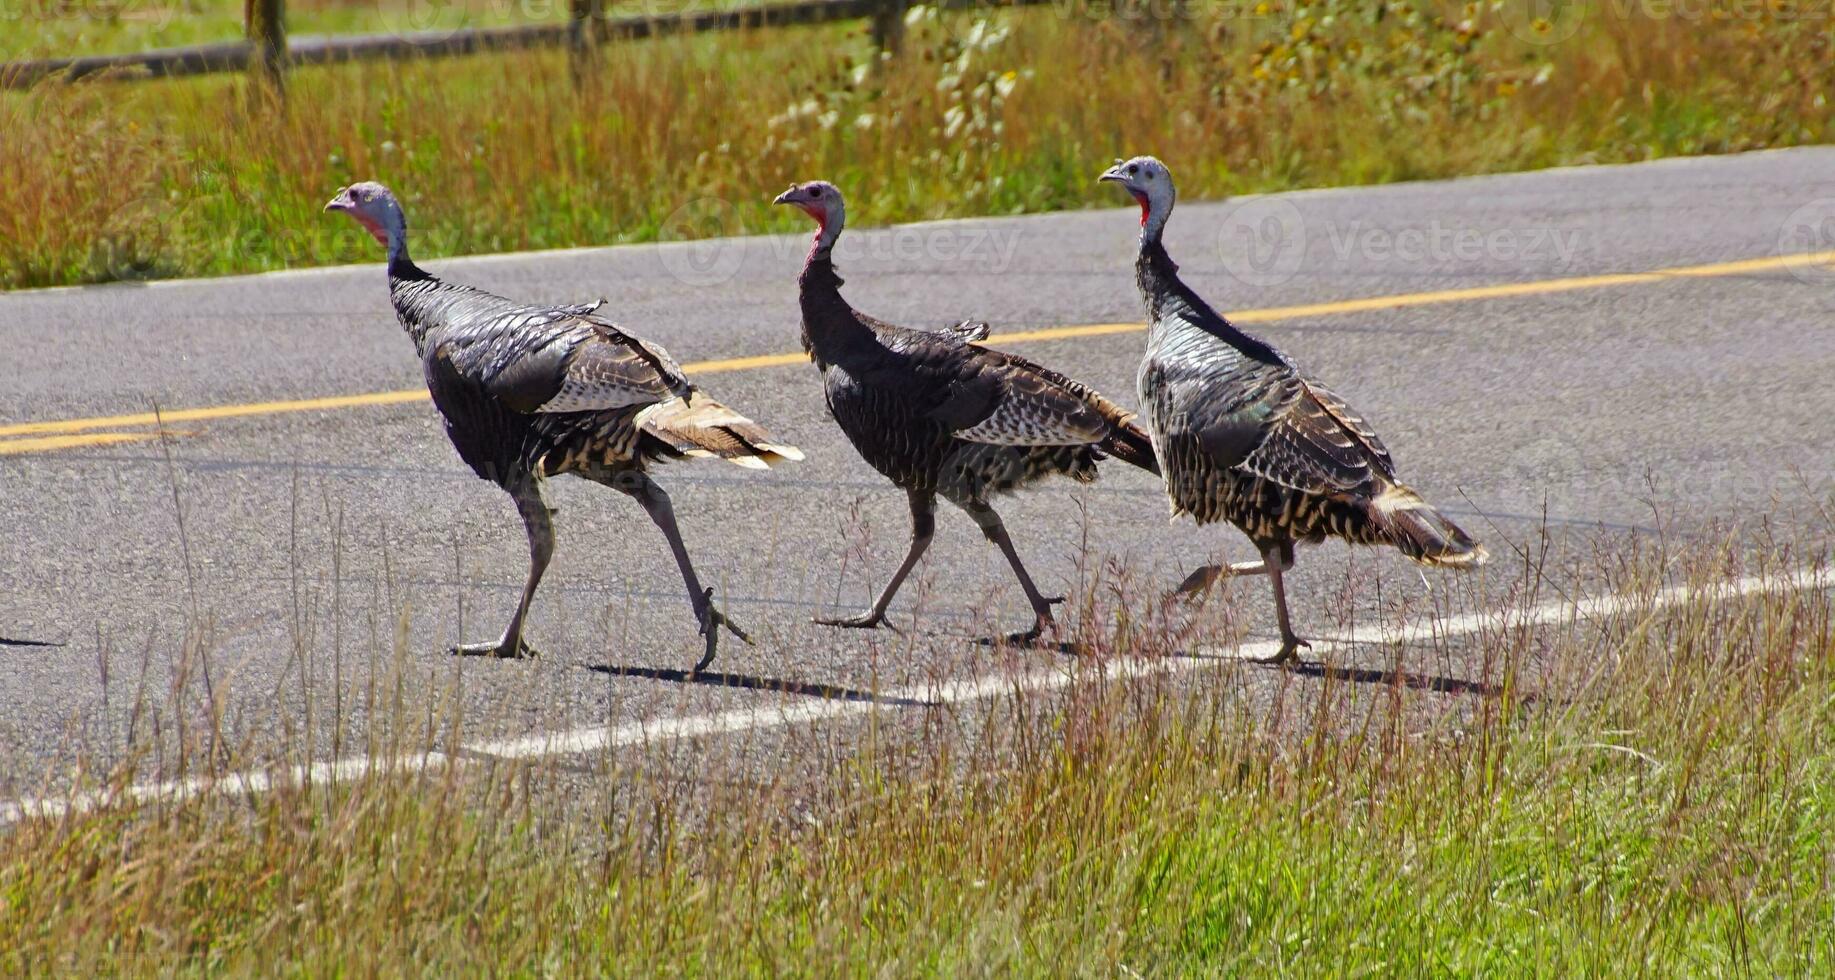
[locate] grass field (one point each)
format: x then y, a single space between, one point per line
64 28
1649 794
986 112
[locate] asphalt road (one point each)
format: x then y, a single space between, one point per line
283 571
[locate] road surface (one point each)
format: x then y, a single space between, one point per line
1580 357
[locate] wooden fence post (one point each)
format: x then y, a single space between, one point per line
266 24
583 30
889 24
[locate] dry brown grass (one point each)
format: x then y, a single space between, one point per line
986 113
1647 791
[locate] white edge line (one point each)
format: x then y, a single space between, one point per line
599 738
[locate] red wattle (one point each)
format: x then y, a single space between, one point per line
1145 204
821 216
374 227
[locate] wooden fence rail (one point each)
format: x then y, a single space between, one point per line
269 52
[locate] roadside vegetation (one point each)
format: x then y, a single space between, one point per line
986 111
72 28
1651 792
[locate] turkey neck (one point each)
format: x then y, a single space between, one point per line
426 304
830 326
1165 293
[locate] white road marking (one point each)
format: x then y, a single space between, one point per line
1060 675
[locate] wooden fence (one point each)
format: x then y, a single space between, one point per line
268 52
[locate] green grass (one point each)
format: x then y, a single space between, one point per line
985 113
1652 794
59 29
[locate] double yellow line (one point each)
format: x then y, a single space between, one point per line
39 437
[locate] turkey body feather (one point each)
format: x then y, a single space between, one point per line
939 415
545 391
527 392
1243 436
933 412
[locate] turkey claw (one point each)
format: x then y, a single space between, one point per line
865 621
1287 654
1039 626
712 619
498 649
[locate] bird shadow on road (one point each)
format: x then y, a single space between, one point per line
6 641
1018 642
1305 668
1424 682
750 682
1437 683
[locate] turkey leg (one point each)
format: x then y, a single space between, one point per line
656 503
996 532
1290 644
923 528
1201 580
536 520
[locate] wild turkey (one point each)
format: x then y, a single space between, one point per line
1244 436
529 392
937 415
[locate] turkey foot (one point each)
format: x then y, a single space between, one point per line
712 620
499 649
1288 654
1200 581
1042 621
872 619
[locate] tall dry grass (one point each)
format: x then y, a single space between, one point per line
986 112
1647 791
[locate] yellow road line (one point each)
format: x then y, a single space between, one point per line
1471 294
45 444
1266 315
322 404
744 363
216 412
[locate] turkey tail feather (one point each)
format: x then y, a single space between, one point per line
699 426
1421 532
1131 444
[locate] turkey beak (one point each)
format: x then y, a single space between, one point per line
1113 173
338 203
784 198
